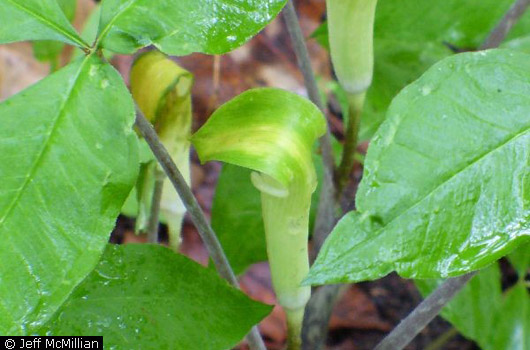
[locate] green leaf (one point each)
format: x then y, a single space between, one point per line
36 20
237 220
445 189
405 47
512 323
520 259
90 32
180 27
321 35
481 313
147 297
474 308
68 159
50 50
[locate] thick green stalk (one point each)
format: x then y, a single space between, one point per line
295 319
356 102
286 231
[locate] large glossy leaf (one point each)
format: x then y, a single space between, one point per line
482 313
445 189
49 50
147 297
412 35
68 159
180 27
35 20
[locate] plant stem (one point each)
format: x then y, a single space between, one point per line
154 215
318 314
424 313
502 29
294 329
325 219
199 219
302 54
356 102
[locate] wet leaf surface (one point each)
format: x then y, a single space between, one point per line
73 201
445 188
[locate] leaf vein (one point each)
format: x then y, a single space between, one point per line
45 146
524 132
50 24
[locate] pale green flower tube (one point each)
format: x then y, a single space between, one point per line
272 132
162 90
351 39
